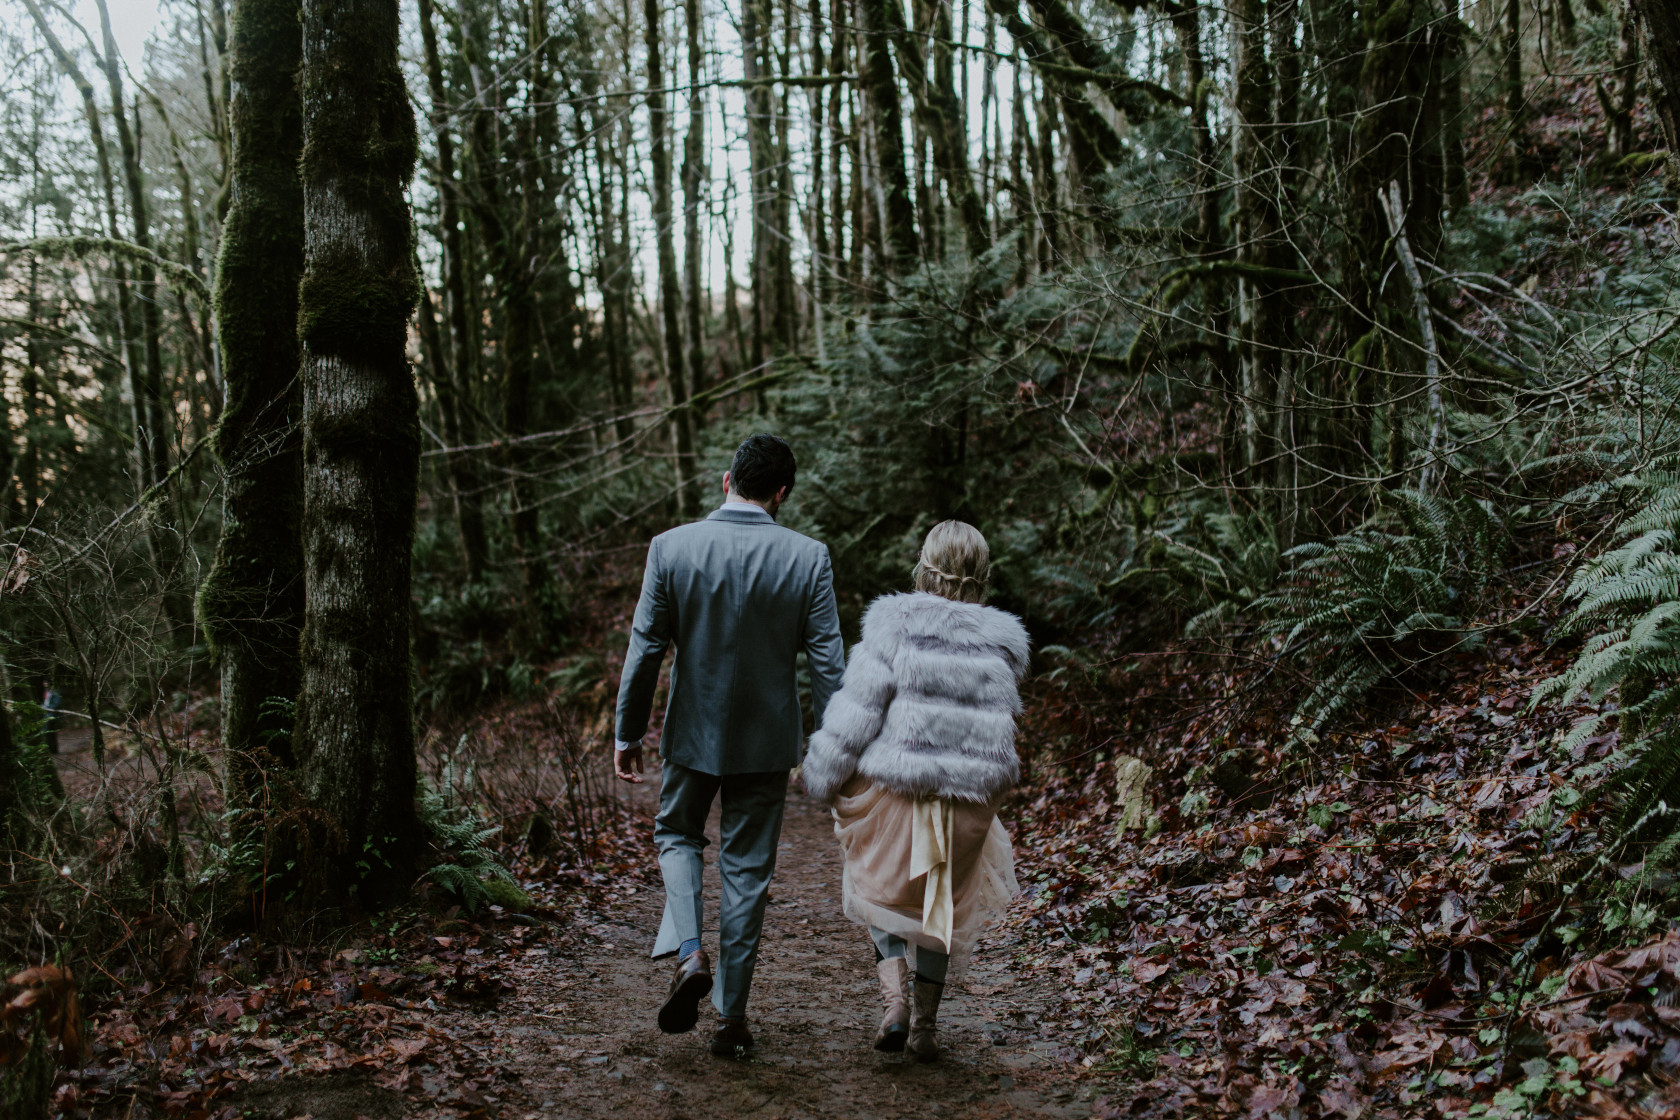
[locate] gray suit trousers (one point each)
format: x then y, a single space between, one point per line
751 827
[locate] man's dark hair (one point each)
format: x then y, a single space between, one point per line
763 465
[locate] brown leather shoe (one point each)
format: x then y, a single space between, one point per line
691 984
731 1038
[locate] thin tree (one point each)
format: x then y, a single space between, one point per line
453 384
670 289
693 170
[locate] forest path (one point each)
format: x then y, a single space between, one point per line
584 1043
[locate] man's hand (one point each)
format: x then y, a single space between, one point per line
627 763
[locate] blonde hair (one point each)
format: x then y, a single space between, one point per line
955 562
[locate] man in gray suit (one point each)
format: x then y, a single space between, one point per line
739 596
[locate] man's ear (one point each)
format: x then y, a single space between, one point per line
782 494
726 482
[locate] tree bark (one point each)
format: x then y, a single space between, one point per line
1660 22
761 175
670 286
693 170
355 720
880 82
251 605
1255 227
1618 106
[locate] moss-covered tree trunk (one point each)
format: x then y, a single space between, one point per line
1660 22
1390 140
361 441
251 605
886 121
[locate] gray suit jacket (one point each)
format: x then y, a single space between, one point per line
740 596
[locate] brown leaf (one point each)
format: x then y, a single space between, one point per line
1591 976
1342 1096
1146 970
1610 1062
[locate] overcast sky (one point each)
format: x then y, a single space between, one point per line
131 22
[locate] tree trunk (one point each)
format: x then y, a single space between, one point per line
251 604
693 170
879 25
149 410
455 380
355 720
787 308
1660 21
523 246
670 286
941 115
1618 106
1513 60
1565 12
761 175
1255 227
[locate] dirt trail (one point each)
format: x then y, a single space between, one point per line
583 1041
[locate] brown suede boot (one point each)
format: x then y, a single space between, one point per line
895 1020
924 1015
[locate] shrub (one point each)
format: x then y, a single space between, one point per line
1629 600
1367 604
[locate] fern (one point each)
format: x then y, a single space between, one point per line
1221 560
470 869
1387 595
1627 600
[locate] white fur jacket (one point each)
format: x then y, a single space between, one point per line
929 702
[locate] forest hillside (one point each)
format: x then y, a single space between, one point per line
1309 365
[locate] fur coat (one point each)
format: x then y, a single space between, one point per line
929 702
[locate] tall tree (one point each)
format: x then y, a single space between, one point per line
693 170
150 429
361 439
670 286
1255 226
878 22
251 603
454 382
940 114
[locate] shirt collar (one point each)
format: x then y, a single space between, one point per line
740 511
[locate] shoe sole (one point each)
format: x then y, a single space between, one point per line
682 1010
730 1051
893 1041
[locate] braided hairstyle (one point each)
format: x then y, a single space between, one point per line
955 562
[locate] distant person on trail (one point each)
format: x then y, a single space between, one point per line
51 702
739 596
915 753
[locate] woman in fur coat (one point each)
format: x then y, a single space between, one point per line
915 753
